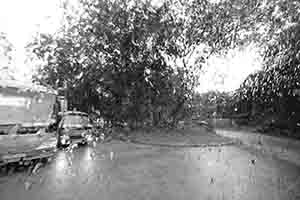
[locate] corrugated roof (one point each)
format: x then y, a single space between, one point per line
74 113
25 86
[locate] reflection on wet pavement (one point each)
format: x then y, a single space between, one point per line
126 171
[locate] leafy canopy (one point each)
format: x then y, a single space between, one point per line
136 61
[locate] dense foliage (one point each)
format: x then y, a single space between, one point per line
6 57
213 104
135 61
274 90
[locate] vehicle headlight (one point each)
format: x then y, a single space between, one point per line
46 145
89 138
65 137
83 134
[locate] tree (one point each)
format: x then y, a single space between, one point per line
6 57
134 60
273 88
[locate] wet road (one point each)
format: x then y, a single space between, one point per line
118 170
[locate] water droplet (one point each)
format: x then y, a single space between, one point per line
36 167
86 180
94 144
111 155
102 137
259 142
42 180
92 155
59 181
27 185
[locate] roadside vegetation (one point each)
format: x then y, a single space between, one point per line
139 62
271 95
135 62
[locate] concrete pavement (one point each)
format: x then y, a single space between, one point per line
284 148
121 170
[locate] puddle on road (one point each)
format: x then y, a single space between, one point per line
211 168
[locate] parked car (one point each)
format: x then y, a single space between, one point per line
26 112
22 147
75 127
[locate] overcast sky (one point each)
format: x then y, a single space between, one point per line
227 73
21 19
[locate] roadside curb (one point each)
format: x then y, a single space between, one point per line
233 142
282 148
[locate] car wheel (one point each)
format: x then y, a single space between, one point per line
84 142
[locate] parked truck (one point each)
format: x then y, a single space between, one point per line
27 113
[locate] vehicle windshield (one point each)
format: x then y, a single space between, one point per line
76 120
150 99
